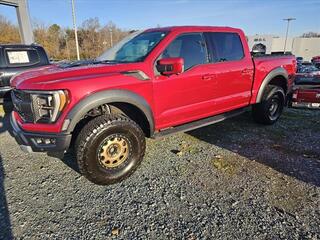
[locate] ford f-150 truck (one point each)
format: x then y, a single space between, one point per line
154 83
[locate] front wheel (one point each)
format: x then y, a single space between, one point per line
269 110
109 149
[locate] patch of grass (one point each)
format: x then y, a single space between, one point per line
224 165
188 147
183 170
1 111
287 196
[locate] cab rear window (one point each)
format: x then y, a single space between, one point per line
21 57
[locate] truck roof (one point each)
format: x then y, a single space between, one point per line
195 28
19 45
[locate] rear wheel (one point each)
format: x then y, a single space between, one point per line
269 110
109 149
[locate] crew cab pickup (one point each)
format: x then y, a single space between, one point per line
152 84
15 58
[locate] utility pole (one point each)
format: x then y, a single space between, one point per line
22 10
75 29
288 23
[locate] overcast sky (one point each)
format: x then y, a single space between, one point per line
253 16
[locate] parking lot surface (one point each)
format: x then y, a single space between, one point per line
231 180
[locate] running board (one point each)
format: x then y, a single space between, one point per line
199 123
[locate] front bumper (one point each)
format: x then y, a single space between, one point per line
29 142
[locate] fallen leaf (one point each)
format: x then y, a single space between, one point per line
115 231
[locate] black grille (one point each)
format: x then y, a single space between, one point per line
22 105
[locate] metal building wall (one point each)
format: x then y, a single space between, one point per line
301 47
306 47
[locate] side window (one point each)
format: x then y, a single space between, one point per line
19 57
191 47
225 46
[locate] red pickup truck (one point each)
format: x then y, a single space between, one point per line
306 96
153 83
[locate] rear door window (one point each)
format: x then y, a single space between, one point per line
191 47
21 57
224 46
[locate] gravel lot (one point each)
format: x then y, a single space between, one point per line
232 180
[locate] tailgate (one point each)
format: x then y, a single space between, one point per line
308 98
308 95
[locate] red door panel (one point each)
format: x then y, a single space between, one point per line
182 98
233 84
233 69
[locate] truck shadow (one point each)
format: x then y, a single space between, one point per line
5 223
5 117
70 160
4 124
284 146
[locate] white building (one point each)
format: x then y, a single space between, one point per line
301 47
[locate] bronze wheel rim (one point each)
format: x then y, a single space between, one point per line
113 151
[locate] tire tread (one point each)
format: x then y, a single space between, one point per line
259 110
88 133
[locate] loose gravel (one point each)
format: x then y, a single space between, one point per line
231 180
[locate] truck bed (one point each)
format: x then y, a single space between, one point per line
265 64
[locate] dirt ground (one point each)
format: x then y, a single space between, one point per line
231 180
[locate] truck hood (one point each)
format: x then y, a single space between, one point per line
45 77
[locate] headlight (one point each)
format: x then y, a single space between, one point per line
47 106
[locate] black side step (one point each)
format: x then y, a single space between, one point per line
199 123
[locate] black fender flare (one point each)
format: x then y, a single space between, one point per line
280 71
105 97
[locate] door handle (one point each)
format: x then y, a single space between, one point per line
246 71
208 77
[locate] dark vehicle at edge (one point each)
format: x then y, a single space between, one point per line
316 61
308 74
306 96
306 92
16 58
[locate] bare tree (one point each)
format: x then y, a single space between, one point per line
9 33
311 35
60 42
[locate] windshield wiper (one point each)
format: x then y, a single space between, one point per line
71 64
105 61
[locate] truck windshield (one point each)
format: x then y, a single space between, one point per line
133 48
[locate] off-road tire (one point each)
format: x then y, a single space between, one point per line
94 134
269 110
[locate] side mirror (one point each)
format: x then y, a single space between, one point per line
170 66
